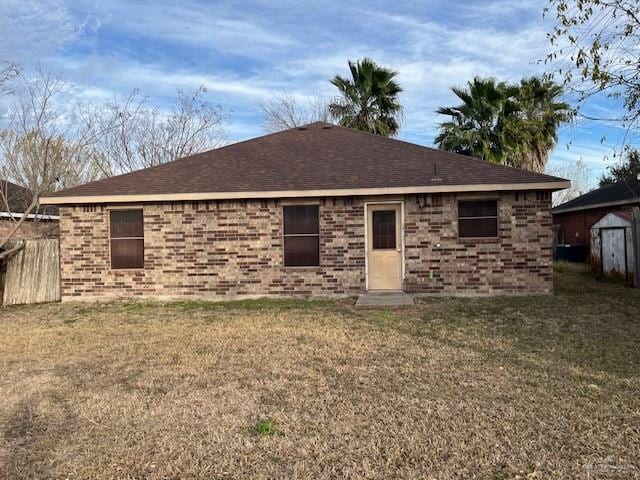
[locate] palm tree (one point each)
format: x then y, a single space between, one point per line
542 113
482 126
514 125
369 100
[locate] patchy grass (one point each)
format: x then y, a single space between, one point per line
535 387
260 304
264 428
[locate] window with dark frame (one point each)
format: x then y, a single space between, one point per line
383 229
478 219
126 230
301 236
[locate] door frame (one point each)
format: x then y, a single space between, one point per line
366 238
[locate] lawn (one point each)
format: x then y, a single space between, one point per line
528 387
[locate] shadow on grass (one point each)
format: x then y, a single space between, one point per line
585 323
31 432
260 304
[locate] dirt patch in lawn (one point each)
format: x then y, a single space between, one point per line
536 387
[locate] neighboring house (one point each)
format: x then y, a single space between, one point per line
14 202
315 210
573 220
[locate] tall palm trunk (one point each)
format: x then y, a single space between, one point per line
535 160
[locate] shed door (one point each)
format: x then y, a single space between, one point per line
613 251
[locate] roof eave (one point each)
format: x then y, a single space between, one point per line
29 216
202 196
596 205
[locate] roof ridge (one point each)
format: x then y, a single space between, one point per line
433 149
247 140
295 159
305 126
194 155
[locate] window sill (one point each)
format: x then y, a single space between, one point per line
479 240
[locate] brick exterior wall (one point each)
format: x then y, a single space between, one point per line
519 261
230 249
213 249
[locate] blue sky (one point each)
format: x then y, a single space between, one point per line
245 52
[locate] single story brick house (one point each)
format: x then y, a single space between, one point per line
315 210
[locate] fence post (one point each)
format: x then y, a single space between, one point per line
635 231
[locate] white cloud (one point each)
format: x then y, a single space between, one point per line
243 53
189 24
596 156
163 79
31 29
498 10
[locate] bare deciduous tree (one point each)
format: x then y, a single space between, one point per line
285 111
134 135
580 175
40 145
594 51
51 141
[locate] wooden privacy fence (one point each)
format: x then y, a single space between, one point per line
33 274
635 229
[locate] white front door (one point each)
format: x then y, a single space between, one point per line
384 246
613 253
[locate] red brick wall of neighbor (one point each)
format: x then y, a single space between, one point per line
231 248
580 223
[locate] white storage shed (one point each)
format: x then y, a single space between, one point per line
612 246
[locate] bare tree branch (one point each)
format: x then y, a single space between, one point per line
581 180
11 251
138 136
8 71
16 226
594 51
41 146
51 141
285 111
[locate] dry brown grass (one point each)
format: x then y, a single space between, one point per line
536 387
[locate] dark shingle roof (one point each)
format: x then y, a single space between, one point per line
16 199
13 198
316 157
622 192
